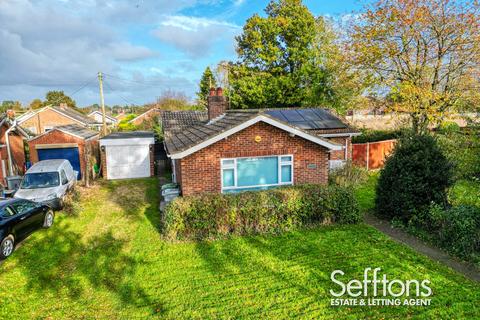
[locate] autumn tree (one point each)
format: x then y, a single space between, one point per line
424 55
206 82
36 104
54 98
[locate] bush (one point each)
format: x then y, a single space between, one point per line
269 211
462 148
369 135
456 229
348 175
414 176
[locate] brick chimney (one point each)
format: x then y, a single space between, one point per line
11 114
217 103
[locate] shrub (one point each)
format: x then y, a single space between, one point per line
348 175
456 229
462 148
416 175
369 135
269 211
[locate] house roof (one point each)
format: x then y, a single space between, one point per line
113 119
68 112
129 135
180 143
74 130
176 120
144 114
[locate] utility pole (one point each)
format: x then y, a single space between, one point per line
102 103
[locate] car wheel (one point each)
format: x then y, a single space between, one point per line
7 246
49 217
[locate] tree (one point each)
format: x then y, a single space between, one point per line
54 98
416 175
10 104
36 104
206 82
425 54
276 58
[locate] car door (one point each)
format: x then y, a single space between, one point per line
64 183
26 218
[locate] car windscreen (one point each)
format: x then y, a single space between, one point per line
40 180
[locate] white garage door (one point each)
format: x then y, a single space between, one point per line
128 161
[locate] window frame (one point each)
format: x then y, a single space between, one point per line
233 166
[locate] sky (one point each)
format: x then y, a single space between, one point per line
143 47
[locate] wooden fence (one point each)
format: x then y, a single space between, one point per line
372 155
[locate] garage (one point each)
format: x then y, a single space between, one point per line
127 155
71 142
69 153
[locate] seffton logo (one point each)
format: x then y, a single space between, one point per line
374 285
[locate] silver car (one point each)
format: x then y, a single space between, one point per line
48 182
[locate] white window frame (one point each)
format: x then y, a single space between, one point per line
234 167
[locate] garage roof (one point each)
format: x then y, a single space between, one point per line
128 135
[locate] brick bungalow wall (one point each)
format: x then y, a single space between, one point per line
47 118
202 168
103 160
58 137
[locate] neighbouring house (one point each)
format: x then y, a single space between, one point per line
98 117
148 115
225 151
45 119
72 142
127 155
16 139
121 116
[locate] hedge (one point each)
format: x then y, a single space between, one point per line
269 211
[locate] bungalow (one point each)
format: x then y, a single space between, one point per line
46 118
224 150
98 117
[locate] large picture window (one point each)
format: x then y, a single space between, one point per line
256 173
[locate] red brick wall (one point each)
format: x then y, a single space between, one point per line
340 154
58 137
200 172
47 118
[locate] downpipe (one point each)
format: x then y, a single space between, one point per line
9 152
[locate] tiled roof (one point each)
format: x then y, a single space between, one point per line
185 129
75 115
177 120
77 130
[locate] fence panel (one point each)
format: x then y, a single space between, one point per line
372 155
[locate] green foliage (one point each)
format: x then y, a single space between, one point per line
9 104
369 135
348 175
285 60
36 104
416 175
269 211
54 98
125 124
456 229
206 82
462 148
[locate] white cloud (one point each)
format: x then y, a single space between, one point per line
194 36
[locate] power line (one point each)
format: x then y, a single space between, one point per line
74 92
123 98
132 81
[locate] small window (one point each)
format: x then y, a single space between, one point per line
228 163
23 206
63 176
8 212
47 128
287 173
286 159
228 177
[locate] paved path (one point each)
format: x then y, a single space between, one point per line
468 270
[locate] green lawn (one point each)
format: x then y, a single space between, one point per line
110 262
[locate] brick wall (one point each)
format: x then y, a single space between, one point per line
200 172
17 149
58 137
340 154
47 118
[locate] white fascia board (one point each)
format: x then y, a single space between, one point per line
126 142
246 124
345 134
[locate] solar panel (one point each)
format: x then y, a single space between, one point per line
308 119
292 115
277 114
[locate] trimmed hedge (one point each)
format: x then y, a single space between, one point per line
269 211
369 135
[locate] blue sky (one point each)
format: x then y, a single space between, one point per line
144 47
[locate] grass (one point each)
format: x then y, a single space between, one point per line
109 261
465 192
